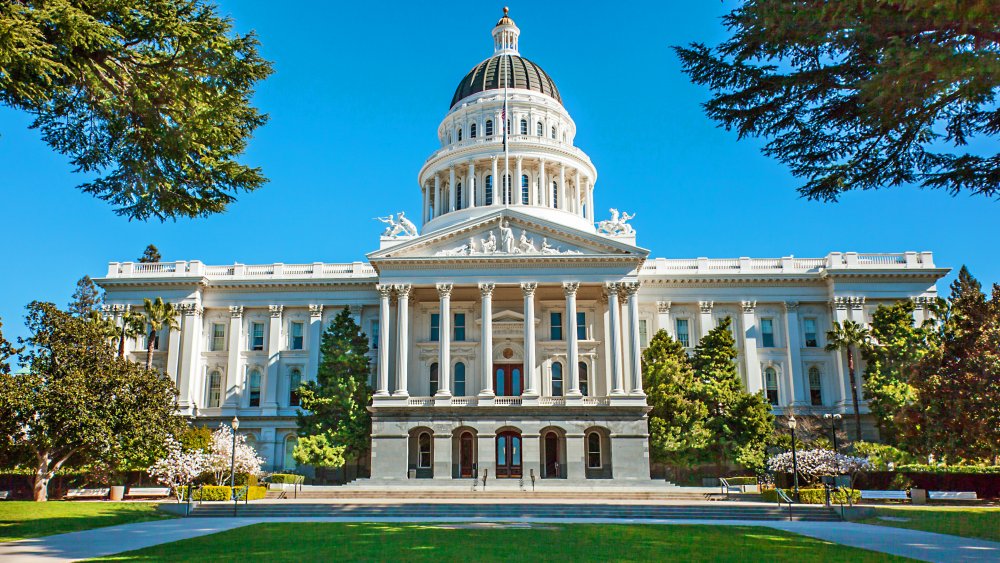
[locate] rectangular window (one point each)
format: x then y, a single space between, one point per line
809 324
555 326
815 387
459 327
435 327
643 334
767 333
374 333
581 325
295 339
682 333
218 342
256 336
254 389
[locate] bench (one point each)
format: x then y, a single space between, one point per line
951 495
148 492
87 493
884 495
4 495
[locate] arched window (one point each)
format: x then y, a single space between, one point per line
555 194
424 450
460 135
294 382
458 196
771 384
434 378
584 379
815 386
459 379
524 189
593 450
540 129
524 126
214 389
254 400
553 131
489 190
557 379
290 443
489 127
472 131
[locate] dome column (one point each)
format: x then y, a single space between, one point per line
590 200
562 186
577 193
451 188
437 195
542 185
426 204
471 183
517 195
495 181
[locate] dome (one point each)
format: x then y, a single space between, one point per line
520 73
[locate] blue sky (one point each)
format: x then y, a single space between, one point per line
355 101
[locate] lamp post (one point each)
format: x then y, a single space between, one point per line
232 467
795 464
833 418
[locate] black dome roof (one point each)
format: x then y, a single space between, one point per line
520 73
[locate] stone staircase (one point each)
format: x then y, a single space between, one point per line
347 495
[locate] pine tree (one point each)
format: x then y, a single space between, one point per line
676 431
336 425
86 298
740 424
150 255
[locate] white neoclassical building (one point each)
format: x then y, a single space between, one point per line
506 336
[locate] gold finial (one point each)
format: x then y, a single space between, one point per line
505 10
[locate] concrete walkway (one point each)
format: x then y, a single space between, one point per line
915 544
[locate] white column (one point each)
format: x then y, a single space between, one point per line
315 338
444 354
486 340
517 183
663 318
270 400
590 200
471 184
543 186
797 384
426 203
382 385
530 367
705 323
234 371
839 308
437 196
173 353
562 186
572 356
402 339
614 326
754 383
635 349
532 190
576 193
191 364
451 188
497 184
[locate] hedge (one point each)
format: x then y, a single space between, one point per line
813 496
279 478
215 492
741 480
965 469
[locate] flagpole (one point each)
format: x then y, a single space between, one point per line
506 150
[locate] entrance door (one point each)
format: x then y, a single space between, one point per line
507 380
552 466
465 455
509 455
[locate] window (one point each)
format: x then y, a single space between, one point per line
581 325
214 389
815 387
294 382
555 326
553 131
771 385
435 327
295 339
524 126
434 379
584 379
506 189
489 190
460 379
539 129
459 134
458 196
555 194
424 450
767 333
290 443
459 327
256 336
524 189
682 332
643 334
489 127
254 388
374 333
557 379
593 450
809 324
472 131
218 341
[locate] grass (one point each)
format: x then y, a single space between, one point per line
26 519
294 542
966 521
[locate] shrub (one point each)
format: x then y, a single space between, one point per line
814 496
900 482
216 493
880 455
970 469
742 480
243 479
285 478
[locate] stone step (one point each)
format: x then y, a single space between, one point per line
500 494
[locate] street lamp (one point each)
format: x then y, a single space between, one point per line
833 418
232 467
795 464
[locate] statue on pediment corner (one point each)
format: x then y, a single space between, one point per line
617 225
398 227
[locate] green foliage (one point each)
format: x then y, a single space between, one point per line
850 336
336 424
223 492
151 100
7 351
815 496
133 325
881 455
968 469
740 424
86 298
279 478
195 438
160 315
676 431
861 95
151 255
900 482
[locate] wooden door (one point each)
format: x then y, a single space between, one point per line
508 380
466 459
509 455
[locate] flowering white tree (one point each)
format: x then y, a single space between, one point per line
812 464
220 457
178 467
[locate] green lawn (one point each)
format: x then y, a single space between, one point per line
967 521
26 519
296 542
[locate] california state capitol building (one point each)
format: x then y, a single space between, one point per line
506 330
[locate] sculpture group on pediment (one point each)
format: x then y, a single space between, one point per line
399 226
504 244
617 225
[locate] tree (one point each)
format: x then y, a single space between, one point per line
86 298
336 424
160 315
220 456
79 403
676 431
848 337
179 467
151 255
861 95
740 424
133 325
7 351
813 464
150 99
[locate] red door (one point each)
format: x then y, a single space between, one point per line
465 455
508 380
509 455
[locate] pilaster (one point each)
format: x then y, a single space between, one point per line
269 403
705 317
192 359
663 318
796 383
530 361
754 382
402 339
572 345
315 338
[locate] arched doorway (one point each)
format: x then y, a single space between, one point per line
466 455
553 465
509 455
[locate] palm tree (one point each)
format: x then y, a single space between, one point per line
133 324
848 337
159 315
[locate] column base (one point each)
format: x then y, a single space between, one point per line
381 394
618 393
486 394
401 394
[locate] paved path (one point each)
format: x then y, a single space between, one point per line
924 546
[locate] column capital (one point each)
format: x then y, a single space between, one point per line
444 289
857 303
383 290
189 309
838 303
403 290
748 306
570 288
663 307
486 289
791 306
706 306
275 310
528 288
630 288
236 311
612 288
315 310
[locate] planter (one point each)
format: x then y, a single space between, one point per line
118 492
